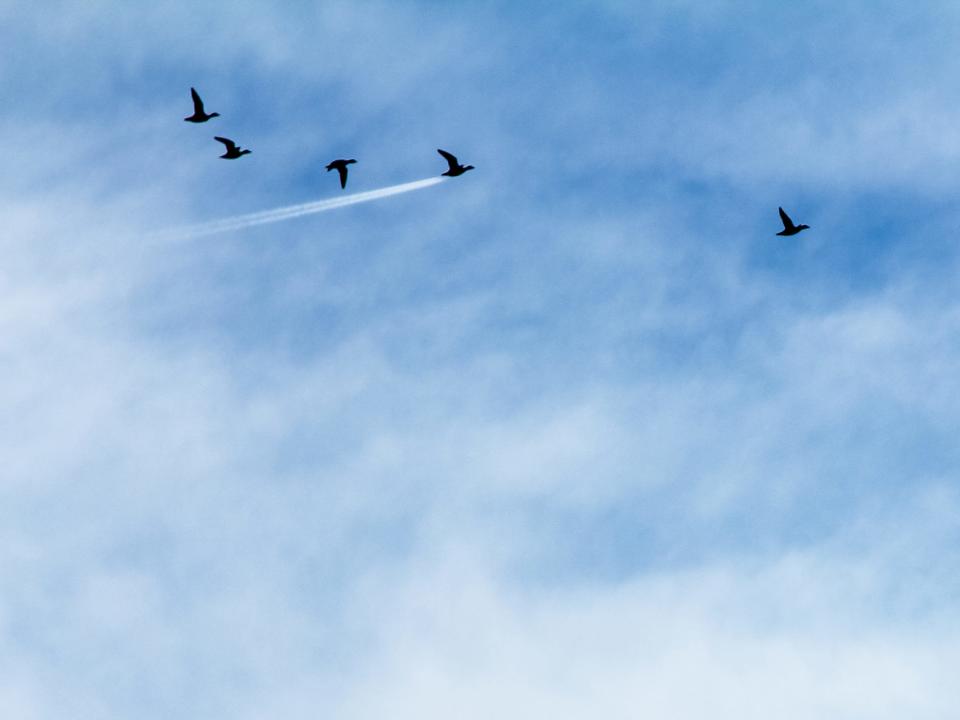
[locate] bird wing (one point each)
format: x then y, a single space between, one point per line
342 169
231 145
787 222
451 159
197 102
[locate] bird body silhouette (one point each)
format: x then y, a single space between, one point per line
341 167
455 167
788 227
199 115
233 152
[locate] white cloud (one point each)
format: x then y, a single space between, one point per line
532 445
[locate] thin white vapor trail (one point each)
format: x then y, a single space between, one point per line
292 211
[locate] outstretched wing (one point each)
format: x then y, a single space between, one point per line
197 102
787 222
230 144
342 169
451 159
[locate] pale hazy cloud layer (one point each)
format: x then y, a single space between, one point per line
572 435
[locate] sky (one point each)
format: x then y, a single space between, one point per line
572 435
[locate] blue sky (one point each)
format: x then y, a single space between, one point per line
574 434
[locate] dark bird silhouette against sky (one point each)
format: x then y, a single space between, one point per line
233 152
788 227
341 167
455 167
199 115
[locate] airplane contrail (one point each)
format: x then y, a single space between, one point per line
239 222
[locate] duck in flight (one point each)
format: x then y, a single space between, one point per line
233 152
341 167
199 115
455 167
788 227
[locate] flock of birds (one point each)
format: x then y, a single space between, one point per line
234 151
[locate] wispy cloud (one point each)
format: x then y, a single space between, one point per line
577 435
239 222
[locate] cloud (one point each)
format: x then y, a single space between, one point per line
579 436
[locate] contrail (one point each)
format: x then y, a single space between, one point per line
292 211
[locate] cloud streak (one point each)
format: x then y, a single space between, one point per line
289 212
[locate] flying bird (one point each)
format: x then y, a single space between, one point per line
233 152
788 227
199 115
455 167
341 167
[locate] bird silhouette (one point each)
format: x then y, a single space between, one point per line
341 167
455 167
788 227
199 115
233 152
